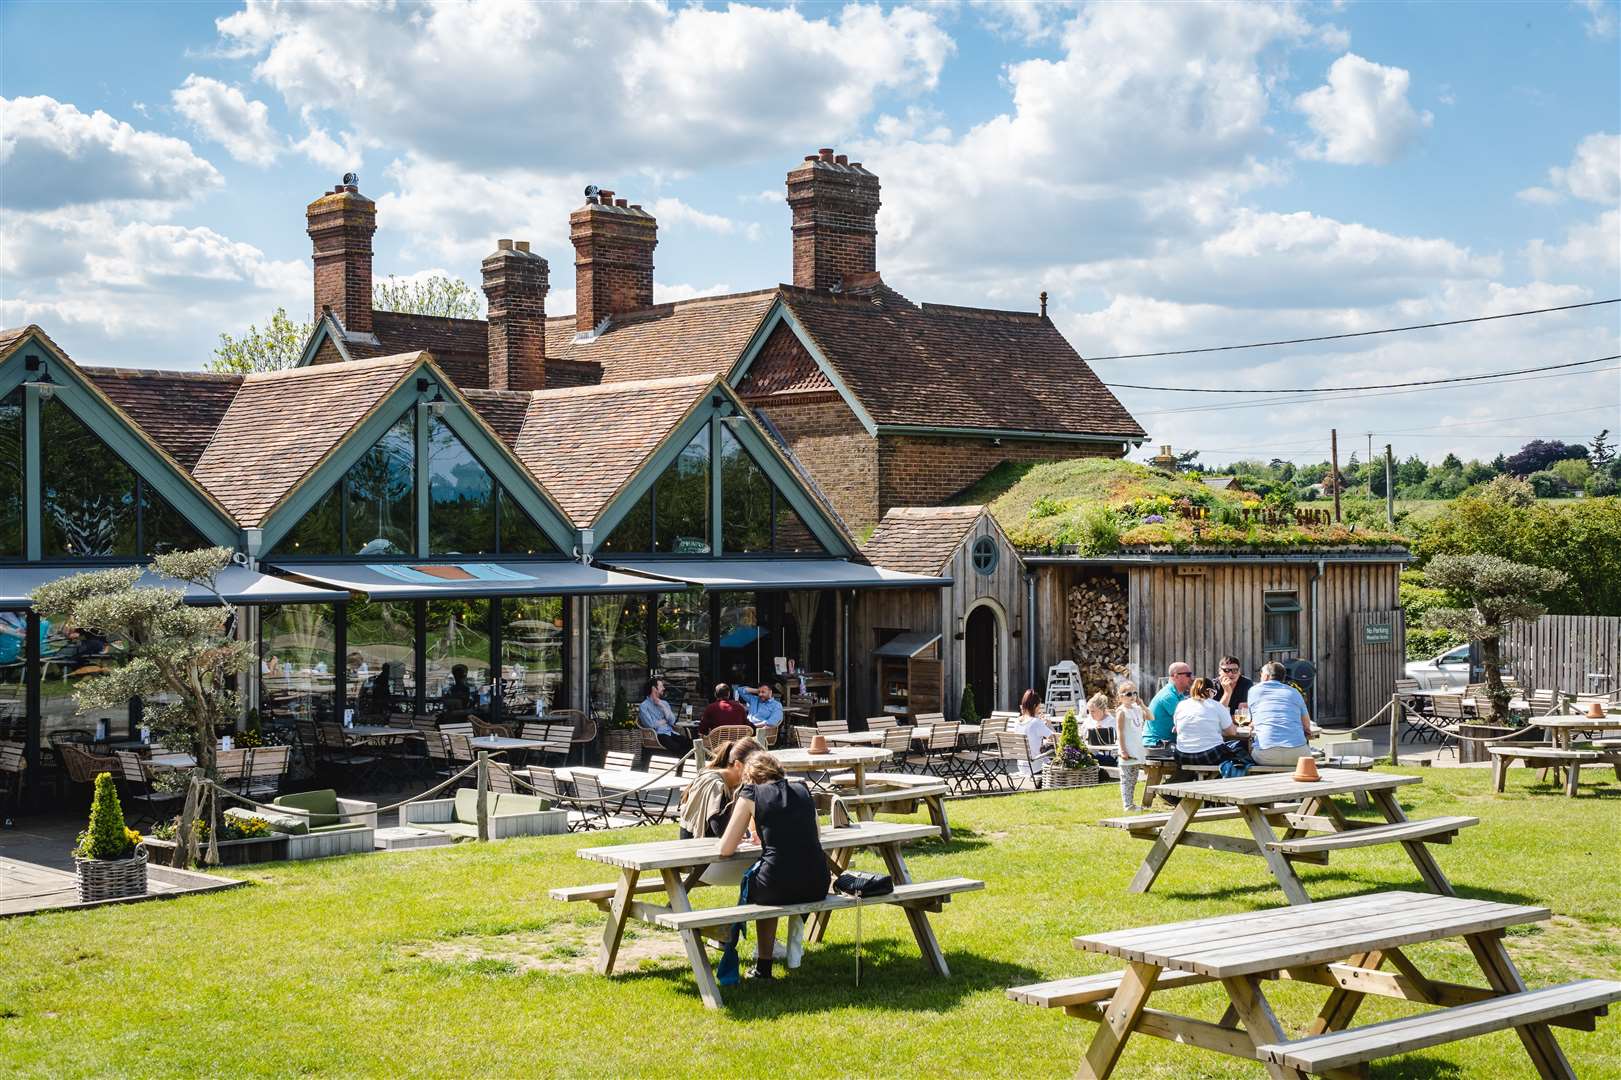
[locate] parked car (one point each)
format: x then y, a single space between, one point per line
1448 671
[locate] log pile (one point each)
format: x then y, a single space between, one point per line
1098 625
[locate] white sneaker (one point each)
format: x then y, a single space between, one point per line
796 941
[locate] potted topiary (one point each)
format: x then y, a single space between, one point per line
969 712
110 858
1072 764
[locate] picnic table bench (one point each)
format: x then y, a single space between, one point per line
1255 799
680 864
893 793
1338 944
1557 758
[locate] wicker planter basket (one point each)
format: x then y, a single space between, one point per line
1056 776
108 879
628 739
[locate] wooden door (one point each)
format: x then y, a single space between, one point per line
981 659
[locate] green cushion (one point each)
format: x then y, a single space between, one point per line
282 823
467 806
321 806
518 804
342 826
450 828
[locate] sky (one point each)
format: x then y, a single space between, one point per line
1173 176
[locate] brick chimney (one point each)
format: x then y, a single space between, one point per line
516 281
835 206
341 224
613 258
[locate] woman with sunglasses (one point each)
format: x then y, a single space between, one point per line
1130 721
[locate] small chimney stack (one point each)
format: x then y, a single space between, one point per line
340 225
516 281
613 258
835 206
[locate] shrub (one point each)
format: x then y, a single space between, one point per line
969 713
1046 506
106 837
1072 751
1100 530
1548 485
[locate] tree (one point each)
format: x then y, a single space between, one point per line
1573 471
446 297
968 713
1600 451
1411 472
178 657
277 346
1451 463
1540 454
1499 464
1498 593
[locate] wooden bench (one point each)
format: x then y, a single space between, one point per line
1550 757
1439 830
1153 823
1338 1050
897 793
1149 826
929 895
1087 989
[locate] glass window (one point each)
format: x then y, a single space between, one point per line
11 476
382 657
461 514
634 533
458 635
1282 630
683 648
745 498
71 654
163 528
808 625
618 654
984 555
790 535
88 495
681 501
380 504
519 533
297 662
534 635
745 642
13 672
319 532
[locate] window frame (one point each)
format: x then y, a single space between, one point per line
1280 602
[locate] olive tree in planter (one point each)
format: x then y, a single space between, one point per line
109 858
176 656
1497 592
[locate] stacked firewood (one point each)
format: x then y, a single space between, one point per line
1098 617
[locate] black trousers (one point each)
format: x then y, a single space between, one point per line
675 742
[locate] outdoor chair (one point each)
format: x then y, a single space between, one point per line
833 727
898 741
483 730
582 730
546 784
83 765
1013 752
231 767
596 807
658 763
1449 713
157 805
337 751
803 736
501 779
309 745
982 764
1542 702
725 734
267 765
463 728
12 764
621 760
438 754
462 754
882 723
940 749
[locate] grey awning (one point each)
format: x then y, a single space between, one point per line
779 574
906 645
449 581
237 584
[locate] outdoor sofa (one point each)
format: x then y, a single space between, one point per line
508 815
318 823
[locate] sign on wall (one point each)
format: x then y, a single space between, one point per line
1377 634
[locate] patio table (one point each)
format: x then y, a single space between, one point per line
1252 795
502 742
856 738
171 761
964 731
855 758
380 731
626 779
1337 944
1561 729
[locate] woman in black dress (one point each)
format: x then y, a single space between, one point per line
792 868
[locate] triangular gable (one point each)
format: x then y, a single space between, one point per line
781 315
924 540
326 330
115 427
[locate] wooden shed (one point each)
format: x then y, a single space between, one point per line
1135 612
980 616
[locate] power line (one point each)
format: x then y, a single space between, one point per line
1355 334
1369 386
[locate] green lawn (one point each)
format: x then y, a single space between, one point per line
446 962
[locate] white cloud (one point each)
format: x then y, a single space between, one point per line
1539 196
225 115
1594 172
341 155
56 156
1361 115
671 211
1029 21
669 294
1601 18
1587 246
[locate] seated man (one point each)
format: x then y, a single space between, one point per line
763 710
655 715
722 712
1281 724
460 693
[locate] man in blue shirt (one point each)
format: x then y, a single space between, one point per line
764 710
1161 729
655 714
1282 726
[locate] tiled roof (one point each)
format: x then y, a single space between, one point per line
957 367
584 443
281 424
178 410
503 410
459 346
920 539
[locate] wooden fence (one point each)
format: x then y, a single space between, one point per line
1559 652
1378 644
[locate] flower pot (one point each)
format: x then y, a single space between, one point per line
627 739
109 879
1056 776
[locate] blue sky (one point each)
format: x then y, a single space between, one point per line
1173 175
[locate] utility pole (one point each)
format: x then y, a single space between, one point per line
1390 487
1334 468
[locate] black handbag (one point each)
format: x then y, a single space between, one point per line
860 883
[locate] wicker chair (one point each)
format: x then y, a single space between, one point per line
483 730
726 733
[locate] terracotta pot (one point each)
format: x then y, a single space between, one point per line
1306 770
1595 711
818 744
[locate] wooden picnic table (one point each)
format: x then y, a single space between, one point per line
855 758
1252 796
855 738
1561 729
680 864
625 779
502 742
1339 944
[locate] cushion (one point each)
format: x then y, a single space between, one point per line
341 826
450 828
467 805
518 804
321 806
282 823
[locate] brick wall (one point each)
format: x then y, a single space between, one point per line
826 436
613 259
918 470
328 353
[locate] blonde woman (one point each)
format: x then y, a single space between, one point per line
1131 720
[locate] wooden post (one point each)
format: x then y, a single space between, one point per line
1334 468
483 795
1395 726
1390 487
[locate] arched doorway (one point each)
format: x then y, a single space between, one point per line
982 659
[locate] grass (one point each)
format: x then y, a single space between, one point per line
453 961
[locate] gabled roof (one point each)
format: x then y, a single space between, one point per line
281 424
179 410
585 443
920 539
937 366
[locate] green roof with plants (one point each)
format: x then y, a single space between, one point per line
1097 506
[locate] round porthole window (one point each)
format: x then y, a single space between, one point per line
984 554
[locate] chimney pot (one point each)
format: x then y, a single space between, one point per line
515 284
521 245
834 223
503 245
340 232
826 153
635 206
621 202
842 159
605 197
810 157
